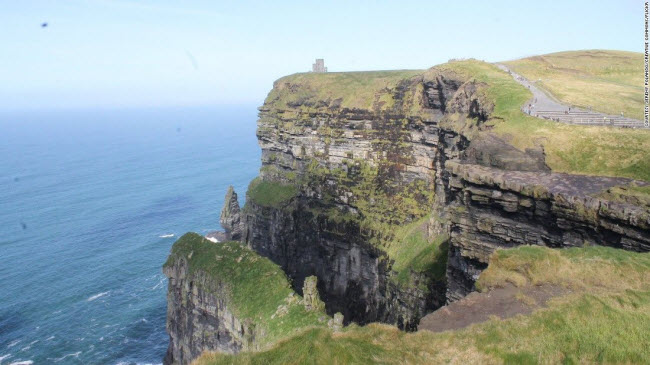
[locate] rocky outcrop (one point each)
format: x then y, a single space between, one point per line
230 217
492 208
223 297
311 298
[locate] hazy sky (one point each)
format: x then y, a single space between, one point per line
130 53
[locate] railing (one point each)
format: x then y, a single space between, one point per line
586 118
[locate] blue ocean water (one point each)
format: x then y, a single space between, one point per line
88 202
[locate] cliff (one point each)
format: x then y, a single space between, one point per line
347 161
395 188
215 301
357 185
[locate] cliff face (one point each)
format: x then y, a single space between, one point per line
362 163
393 190
224 297
199 317
491 209
352 158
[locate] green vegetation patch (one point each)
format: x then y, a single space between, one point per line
605 325
371 90
257 287
588 150
270 193
412 250
594 267
607 81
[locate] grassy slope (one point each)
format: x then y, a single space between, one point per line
605 320
608 81
569 148
243 270
360 90
411 250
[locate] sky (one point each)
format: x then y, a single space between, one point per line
157 53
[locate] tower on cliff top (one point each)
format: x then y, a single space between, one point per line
319 66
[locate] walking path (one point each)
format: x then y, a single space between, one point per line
544 106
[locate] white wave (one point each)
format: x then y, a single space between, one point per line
49 338
96 296
57 359
26 362
4 357
13 343
160 283
167 235
28 346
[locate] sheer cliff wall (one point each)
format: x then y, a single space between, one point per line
351 168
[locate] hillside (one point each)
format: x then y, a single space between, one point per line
607 81
588 150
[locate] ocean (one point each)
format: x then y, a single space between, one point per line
91 202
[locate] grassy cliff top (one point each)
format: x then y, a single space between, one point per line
608 81
370 90
257 286
269 193
604 320
588 150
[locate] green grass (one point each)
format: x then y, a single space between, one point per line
411 250
569 148
256 285
589 268
371 90
597 324
270 193
608 81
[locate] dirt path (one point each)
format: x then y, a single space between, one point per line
545 106
479 307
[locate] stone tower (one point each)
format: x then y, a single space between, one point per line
319 66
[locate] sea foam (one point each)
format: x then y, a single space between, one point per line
96 296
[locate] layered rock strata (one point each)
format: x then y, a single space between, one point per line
492 208
199 316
